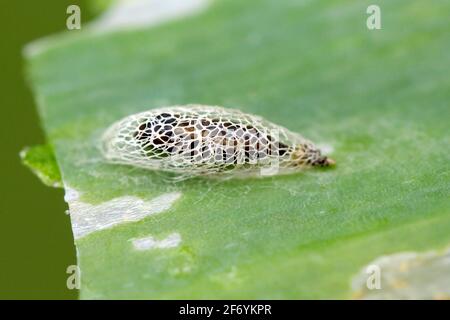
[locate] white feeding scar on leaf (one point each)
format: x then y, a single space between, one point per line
405 275
87 218
147 243
70 194
137 13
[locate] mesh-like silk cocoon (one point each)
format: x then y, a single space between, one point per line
207 140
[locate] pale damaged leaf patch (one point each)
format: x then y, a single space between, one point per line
139 13
147 243
87 218
407 275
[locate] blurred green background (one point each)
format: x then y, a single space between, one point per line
36 239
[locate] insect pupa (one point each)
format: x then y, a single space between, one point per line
199 140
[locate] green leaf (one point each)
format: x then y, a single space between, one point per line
41 160
378 99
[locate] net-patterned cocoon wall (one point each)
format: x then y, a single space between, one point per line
198 140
